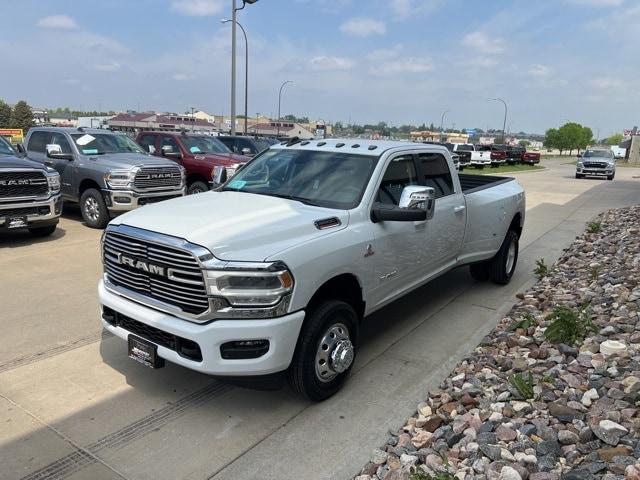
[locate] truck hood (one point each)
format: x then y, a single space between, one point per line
234 225
17 162
128 160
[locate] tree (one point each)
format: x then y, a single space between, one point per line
552 139
5 115
524 143
614 139
22 116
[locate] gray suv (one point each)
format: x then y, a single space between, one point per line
105 172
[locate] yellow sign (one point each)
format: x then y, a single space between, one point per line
15 134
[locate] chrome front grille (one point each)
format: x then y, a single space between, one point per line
595 165
18 184
165 274
158 177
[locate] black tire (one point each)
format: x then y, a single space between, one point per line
480 271
611 177
94 209
302 372
500 270
579 175
197 187
42 231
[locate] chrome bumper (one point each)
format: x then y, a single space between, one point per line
125 200
595 172
54 203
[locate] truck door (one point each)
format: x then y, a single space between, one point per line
445 231
398 246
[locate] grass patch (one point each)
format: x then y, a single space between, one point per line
524 386
502 169
525 322
569 326
594 227
424 476
541 270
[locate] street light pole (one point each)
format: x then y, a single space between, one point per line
246 71
193 120
280 103
442 122
504 123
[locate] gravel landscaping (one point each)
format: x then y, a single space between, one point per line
553 391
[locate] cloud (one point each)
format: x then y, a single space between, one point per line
111 66
539 70
406 8
324 63
197 8
481 42
607 83
408 65
62 22
364 27
598 3
181 77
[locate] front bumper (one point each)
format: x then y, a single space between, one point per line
37 212
125 200
596 172
480 162
282 334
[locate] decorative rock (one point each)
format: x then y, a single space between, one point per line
632 472
509 473
607 454
589 396
566 437
505 434
494 452
564 413
379 457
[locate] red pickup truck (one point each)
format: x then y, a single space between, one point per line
198 154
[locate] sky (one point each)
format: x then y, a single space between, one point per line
364 61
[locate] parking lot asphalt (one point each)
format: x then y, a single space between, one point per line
73 406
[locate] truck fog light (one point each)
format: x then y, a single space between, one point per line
244 349
122 199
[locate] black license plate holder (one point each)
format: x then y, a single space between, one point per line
16 222
144 352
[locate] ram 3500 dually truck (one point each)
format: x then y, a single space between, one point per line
29 194
106 172
275 270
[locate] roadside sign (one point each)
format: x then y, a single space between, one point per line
15 135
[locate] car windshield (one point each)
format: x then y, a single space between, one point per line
6 148
465 147
103 143
325 179
261 144
204 145
598 153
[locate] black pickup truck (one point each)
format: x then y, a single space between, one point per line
29 194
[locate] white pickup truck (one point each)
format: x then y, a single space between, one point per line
276 270
474 156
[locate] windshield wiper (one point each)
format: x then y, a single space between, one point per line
306 201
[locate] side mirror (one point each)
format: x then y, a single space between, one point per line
417 204
167 151
219 175
20 148
55 151
246 151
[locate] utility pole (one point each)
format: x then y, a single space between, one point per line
193 120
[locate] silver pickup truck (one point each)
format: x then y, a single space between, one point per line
105 172
596 162
277 269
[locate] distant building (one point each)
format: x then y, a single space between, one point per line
63 119
280 129
137 122
94 122
430 136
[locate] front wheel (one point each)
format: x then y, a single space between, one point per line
611 177
325 351
579 175
197 187
504 263
42 231
94 209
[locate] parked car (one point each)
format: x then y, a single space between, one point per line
29 194
275 270
472 156
456 158
198 154
107 173
497 153
596 162
243 145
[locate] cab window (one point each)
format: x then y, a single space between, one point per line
170 142
435 173
400 173
59 139
148 143
37 142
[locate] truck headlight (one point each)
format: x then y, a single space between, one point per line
251 287
53 179
183 176
119 178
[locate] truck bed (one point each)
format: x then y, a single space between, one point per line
474 183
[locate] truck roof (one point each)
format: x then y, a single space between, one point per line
354 145
71 130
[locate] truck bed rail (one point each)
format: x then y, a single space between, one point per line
473 183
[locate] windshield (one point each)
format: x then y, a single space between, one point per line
324 179
6 148
465 147
102 143
598 153
204 145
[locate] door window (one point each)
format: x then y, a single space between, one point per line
435 172
244 143
60 139
170 142
228 141
38 142
400 173
148 143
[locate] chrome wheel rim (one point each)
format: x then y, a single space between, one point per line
335 353
195 189
511 257
91 209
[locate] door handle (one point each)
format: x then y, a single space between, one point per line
459 209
